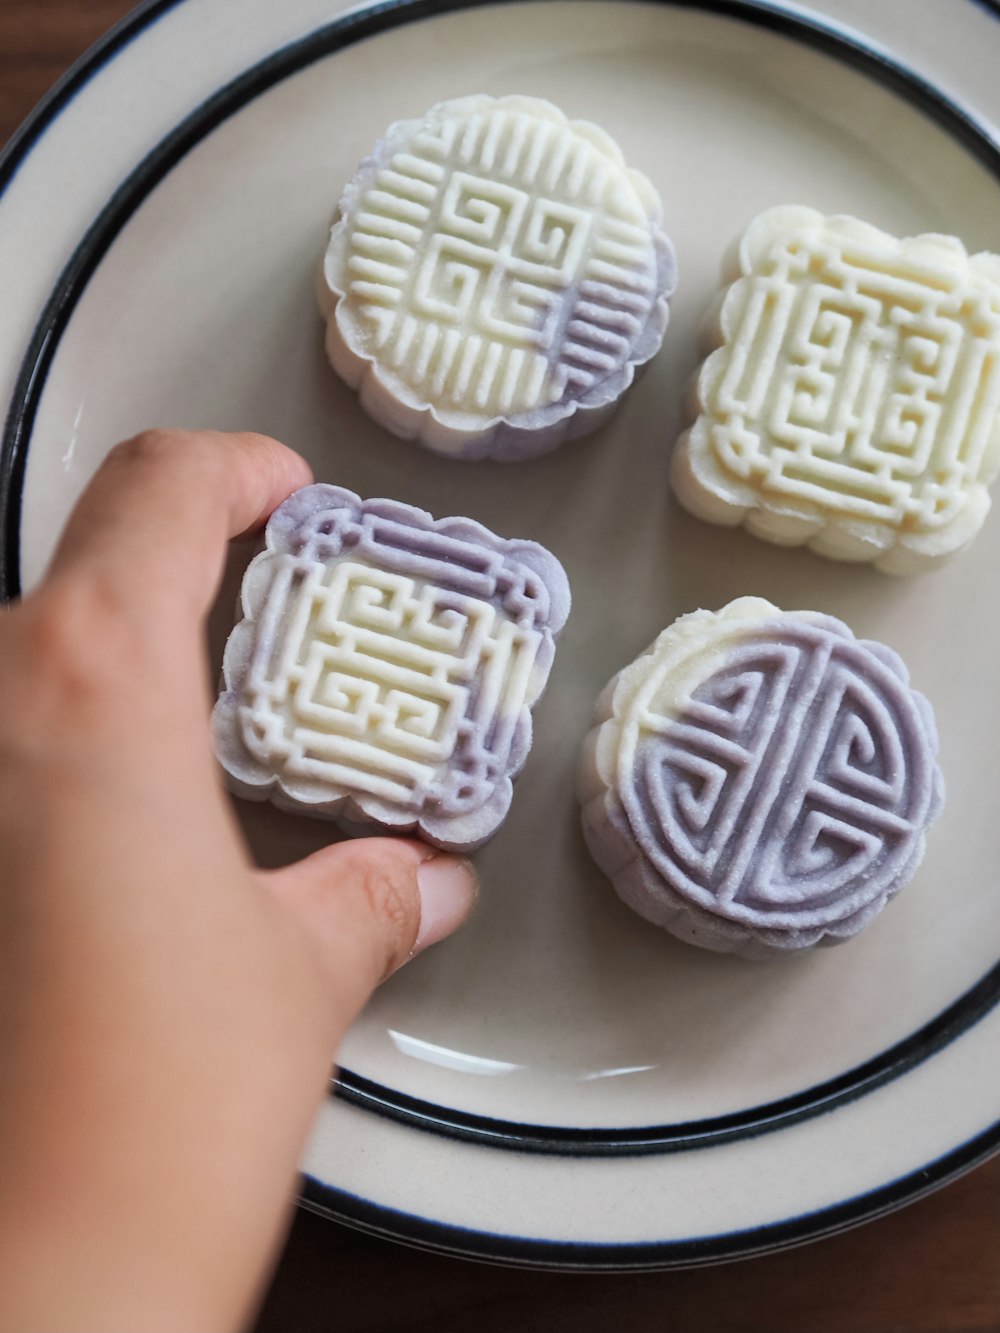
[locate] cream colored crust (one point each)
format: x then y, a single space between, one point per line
452 280
852 402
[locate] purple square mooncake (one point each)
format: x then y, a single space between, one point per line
760 781
385 667
495 278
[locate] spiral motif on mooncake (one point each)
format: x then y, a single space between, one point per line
765 779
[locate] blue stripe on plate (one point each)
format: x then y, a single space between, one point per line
530 1252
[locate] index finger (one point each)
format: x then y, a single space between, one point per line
155 520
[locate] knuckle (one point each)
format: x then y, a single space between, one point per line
388 885
252 441
74 648
147 446
69 670
206 453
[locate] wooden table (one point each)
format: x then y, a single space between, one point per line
932 1268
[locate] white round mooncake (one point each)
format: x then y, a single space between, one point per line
495 277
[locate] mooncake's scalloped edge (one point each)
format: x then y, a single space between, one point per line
389 401
709 491
636 881
356 813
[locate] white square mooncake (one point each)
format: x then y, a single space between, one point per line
853 399
385 667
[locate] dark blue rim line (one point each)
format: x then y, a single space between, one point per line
335 36
531 1252
76 77
102 52
687 1135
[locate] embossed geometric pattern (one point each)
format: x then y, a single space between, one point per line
856 396
389 662
496 260
372 686
783 789
467 244
774 772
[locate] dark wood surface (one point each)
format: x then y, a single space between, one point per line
934 1267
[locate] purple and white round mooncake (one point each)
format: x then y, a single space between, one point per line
495 278
760 781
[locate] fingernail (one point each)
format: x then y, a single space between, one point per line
448 888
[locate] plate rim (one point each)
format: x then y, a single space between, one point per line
72 80
387 1223
956 1019
846 44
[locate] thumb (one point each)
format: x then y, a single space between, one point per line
371 904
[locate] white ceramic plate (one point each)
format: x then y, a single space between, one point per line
561 1083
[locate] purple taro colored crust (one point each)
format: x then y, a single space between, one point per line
384 671
782 804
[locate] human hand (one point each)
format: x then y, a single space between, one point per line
168 1014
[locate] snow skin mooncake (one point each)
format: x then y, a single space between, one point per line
760 781
852 401
385 667
494 278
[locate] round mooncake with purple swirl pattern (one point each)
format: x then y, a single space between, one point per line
760 781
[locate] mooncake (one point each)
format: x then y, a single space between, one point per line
760 781
852 399
385 667
495 277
